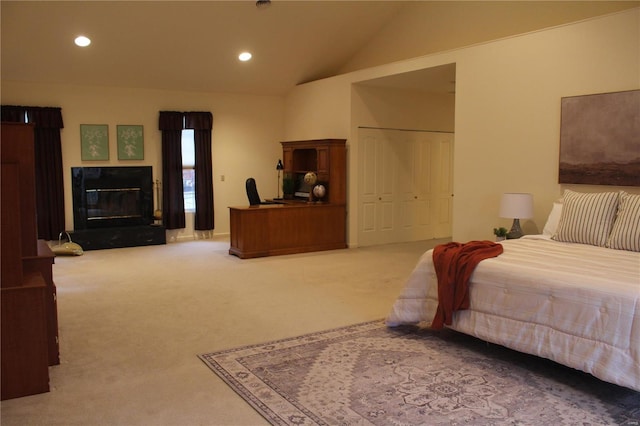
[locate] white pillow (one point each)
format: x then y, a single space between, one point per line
587 218
625 234
552 221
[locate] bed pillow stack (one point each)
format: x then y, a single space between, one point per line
625 234
551 225
587 218
605 219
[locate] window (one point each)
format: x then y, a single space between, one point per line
188 170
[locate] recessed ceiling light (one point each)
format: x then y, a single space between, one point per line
244 56
82 41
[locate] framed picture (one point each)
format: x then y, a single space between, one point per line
130 142
94 142
600 139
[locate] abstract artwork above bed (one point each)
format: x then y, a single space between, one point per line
600 139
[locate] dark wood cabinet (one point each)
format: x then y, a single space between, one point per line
43 264
29 311
323 162
301 225
24 338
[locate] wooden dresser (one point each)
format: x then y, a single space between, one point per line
29 311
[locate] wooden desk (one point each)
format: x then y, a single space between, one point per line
276 229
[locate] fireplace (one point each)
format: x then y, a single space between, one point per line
108 197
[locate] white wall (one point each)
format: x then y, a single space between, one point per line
508 111
319 110
247 131
507 120
425 27
402 109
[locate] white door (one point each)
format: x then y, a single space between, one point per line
443 185
400 186
377 221
414 185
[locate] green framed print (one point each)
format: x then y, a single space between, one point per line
94 141
130 142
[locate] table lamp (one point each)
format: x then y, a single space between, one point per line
516 206
279 168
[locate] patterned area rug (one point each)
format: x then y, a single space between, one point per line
370 374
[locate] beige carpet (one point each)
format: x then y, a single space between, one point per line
370 374
131 322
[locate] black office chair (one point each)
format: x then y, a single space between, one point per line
252 192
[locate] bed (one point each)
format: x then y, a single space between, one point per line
565 295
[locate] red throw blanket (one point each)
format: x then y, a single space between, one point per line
454 263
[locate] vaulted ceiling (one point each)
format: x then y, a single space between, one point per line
194 45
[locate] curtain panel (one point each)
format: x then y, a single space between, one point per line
202 124
204 218
171 124
48 161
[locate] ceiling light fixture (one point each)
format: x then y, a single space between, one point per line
82 41
244 56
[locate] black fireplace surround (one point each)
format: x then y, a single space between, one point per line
113 207
107 197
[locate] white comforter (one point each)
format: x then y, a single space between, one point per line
576 304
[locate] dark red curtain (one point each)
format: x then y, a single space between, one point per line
170 125
48 160
202 123
13 113
49 180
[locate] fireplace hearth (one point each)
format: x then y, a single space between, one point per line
113 207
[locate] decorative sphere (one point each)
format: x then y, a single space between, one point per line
319 191
310 178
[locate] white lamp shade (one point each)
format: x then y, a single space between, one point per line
516 206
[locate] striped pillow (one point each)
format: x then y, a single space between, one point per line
587 218
625 234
